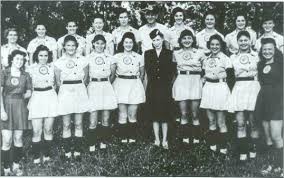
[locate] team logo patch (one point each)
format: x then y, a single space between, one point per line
127 60
15 81
206 37
244 59
212 62
186 56
70 64
43 70
99 60
266 69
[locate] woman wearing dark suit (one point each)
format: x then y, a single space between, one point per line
160 74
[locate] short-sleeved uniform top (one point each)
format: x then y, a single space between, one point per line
189 60
81 41
128 64
174 34
215 67
245 65
108 37
119 32
144 32
278 39
71 69
202 37
47 41
42 75
6 50
232 42
100 65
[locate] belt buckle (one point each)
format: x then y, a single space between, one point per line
255 78
187 72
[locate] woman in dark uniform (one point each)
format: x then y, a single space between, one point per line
269 104
160 74
16 86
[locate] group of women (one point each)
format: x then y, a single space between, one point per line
153 65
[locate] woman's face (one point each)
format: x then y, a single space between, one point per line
99 46
215 46
18 61
178 17
268 26
71 28
244 43
187 41
70 47
128 44
210 21
158 42
123 19
42 57
241 22
40 30
12 37
268 51
98 24
151 18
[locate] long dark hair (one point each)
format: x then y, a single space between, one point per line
42 48
131 36
278 56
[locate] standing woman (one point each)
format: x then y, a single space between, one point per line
215 92
177 21
43 103
231 38
187 87
269 104
12 37
42 39
244 95
101 93
16 86
128 86
204 35
160 73
71 71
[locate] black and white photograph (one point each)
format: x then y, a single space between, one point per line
142 88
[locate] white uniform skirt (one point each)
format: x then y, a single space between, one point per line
101 96
187 87
244 96
43 104
215 96
129 91
73 98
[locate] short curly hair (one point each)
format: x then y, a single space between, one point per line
42 48
13 54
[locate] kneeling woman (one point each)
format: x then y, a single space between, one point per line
215 92
128 86
101 93
71 73
16 86
43 103
160 71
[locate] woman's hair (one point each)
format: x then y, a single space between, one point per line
13 54
121 11
97 38
155 33
70 38
42 48
98 16
243 33
278 56
186 33
219 38
8 30
131 36
240 14
210 12
172 17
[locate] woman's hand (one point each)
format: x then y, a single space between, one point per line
4 116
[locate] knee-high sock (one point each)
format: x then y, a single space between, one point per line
18 154
36 149
46 147
5 154
67 143
91 137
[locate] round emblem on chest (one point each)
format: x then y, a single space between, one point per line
212 62
244 59
70 64
206 38
186 56
266 69
127 60
15 81
43 70
99 60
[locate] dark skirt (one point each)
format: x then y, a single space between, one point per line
159 103
16 109
269 104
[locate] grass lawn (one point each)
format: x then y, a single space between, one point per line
143 159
